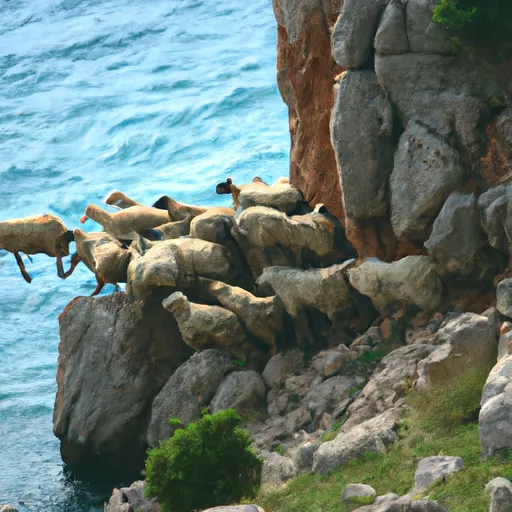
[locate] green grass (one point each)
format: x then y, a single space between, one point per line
394 472
454 432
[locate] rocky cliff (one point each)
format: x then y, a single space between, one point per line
320 304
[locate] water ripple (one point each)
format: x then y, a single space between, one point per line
149 98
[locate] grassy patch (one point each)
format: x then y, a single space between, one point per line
454 432
450 404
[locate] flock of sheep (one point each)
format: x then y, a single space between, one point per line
124 231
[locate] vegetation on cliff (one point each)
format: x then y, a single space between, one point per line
442 423
483 24
208 463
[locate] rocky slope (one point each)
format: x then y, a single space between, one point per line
318 306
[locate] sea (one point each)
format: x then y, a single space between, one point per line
149 97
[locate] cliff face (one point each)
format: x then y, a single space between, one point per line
305 76
413 120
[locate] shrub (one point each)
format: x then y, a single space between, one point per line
206 464
451 402
484 24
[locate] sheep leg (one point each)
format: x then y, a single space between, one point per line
75 260
99 286
21 265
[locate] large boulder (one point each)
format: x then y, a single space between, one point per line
411 283
365 159
131 499
456 235
203 327
244 392
325 290
178 264
281 366
500 493
495 419
373 435
276 470
269 237
189 390
426 170
114 357
352 38
433 469
388 384
306 24
467 341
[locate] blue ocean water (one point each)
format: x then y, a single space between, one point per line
167 96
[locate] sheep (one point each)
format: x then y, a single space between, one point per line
127 222
204 327
103 255
228 187
179 211
39 234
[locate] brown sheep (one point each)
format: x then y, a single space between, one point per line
228 187
40 234
103 255
127 222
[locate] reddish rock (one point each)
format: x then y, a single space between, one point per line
306 72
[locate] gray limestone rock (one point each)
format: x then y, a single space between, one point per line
500 493
281 366
495 419
409 282
467 341
359 493
303 456
456 235
190 389
425 35
380 393
504 344
493 208
504 297
365 158
115 356
432 469
276 470
370 436
404 504
242 391
504 131
354 31
131 499
427 169
236 508
391 36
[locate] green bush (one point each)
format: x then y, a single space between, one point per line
486 25
206 464
451 402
